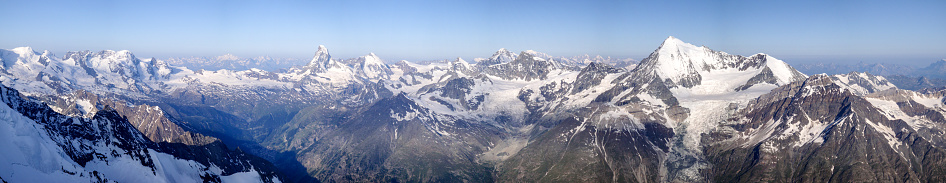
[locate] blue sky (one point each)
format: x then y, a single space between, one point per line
806 31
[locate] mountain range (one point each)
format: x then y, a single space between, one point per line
904 76
683 114
232 62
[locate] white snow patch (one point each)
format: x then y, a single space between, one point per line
406 116
929 102
892 111
242 177
86 106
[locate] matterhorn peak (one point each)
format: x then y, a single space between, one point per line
321 57
322 52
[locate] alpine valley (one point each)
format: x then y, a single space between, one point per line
682 114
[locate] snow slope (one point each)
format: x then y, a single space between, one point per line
55 150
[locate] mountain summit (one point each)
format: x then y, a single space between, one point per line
501 56
321 58
683 64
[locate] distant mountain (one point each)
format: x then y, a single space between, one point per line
232 62
934 70
588 59
883 69
503 56
916 83
906 77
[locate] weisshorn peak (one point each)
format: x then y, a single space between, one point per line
684 64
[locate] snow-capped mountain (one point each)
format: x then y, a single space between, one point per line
322 61
527 66
686 65
112 71
501 56
369 66
683 114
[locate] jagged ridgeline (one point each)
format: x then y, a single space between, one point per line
683 114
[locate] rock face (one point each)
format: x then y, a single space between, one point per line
817 131
150 120
501 56
44 145
684 114
527 66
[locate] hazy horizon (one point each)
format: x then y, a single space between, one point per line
796 32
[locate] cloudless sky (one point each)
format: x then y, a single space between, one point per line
806 31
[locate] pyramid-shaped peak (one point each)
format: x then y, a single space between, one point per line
687 65
672 40
675 44
321 51
502 53
372 59
321 58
